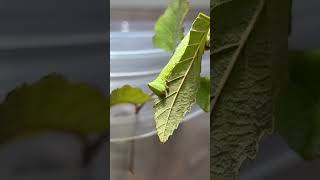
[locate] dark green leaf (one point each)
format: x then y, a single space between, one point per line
53 104
298 108
248 49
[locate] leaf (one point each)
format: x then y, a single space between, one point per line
184 80
216 3
130 95
169 27
298 120
203 95
53 104
249 45
304 69
298 108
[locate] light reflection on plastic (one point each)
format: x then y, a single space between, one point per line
124 26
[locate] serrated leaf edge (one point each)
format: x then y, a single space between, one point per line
166 137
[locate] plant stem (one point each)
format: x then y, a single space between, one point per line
132 143
91 148
139 107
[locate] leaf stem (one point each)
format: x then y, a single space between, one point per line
138 108
91 148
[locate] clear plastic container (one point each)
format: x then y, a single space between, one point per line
134 143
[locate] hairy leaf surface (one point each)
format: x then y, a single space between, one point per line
169 27
248 54
183 82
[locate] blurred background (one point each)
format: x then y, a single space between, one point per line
135 150
39 37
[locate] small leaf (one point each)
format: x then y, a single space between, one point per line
298 107
169 27
203 95
298 120
130 95
183 82
53 104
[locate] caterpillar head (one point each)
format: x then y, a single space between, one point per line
158 88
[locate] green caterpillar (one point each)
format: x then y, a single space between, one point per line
159 85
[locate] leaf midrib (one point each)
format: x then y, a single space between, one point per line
235 57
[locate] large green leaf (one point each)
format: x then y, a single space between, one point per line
128 94
169 27
53 104
183 82
298 108
248 52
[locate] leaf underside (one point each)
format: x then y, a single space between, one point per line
53 104
245 52
183 82
169 27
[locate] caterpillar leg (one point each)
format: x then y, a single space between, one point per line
167 89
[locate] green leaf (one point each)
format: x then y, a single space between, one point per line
298 120
304 69
203 95
53 104
216 3
298 108
130 95
182 84
169 27
248 48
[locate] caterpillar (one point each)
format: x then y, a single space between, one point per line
159 85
